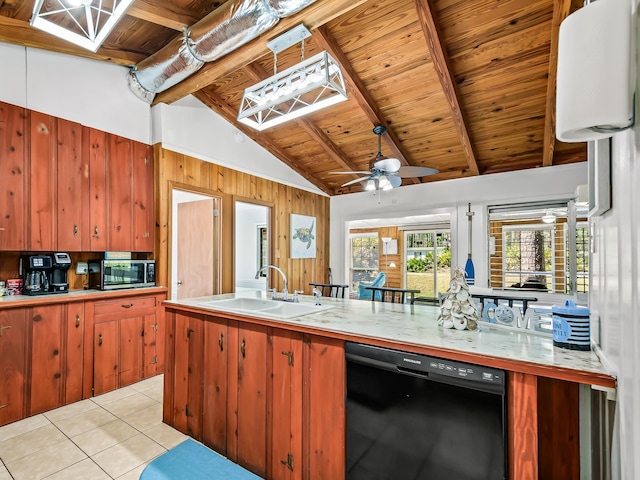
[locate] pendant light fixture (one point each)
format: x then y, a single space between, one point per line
85 23
309 86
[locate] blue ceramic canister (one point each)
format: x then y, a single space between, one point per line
571 326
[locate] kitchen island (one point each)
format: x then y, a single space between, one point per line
230 373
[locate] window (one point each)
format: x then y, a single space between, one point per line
364 259
541 247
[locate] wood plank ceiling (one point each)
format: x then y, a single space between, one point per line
463 86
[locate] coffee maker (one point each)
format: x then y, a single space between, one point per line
44 274
59 282
35 271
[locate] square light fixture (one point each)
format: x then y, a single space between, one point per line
85 23
309 86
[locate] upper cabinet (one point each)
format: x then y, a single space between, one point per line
72 188
13 132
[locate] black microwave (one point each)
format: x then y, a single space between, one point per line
116 274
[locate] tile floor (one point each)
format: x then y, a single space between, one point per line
111 436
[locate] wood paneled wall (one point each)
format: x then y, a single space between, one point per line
228 184
394 274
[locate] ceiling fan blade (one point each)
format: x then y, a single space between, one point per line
362 179
394 180
387 164
350 173
406 172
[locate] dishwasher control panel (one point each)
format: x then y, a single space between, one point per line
422 365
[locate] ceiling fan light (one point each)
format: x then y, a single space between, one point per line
549 217
370 186
385 184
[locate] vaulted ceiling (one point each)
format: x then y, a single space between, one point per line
463 86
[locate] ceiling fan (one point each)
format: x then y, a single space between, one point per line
386 173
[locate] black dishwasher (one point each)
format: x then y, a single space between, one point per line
415 417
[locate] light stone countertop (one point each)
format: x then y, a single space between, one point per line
416 326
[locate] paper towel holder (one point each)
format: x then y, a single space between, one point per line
596 75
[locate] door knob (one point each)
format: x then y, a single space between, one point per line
179 282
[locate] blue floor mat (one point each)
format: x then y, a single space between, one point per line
192 461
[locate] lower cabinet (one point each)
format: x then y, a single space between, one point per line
13 359
247 391
123 335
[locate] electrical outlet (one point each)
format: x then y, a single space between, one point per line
82 268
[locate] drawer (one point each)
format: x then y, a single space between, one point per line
123 305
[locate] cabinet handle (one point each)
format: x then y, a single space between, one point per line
37 318
127 305
56 352
2 230
75 229
6 404
221 342
100 340
189 332
243 347
95 231
3 327
77 321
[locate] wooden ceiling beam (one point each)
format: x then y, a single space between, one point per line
218 105
313 16
440 59
258 74
162 13
18 32
561 10
359 92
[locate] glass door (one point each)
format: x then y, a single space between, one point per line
428 261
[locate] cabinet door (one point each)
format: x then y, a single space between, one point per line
251 409
325 392
105 357
216 347
285 405
143 219
73 188
74 353
13 131
97 189
130 350
119 195
42 182
188 374
46 358
13 348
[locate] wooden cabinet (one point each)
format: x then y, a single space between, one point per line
97 189
143 199
269 399
13 132
13 362
46 358
123 342
247 394
120 175
73 228
72 188
56 354
74 352
42 182
285 410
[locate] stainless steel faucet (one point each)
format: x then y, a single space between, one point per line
285 293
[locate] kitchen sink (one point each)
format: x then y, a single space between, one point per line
267 308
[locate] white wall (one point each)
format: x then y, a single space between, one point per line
615 291
548 183
191 128
88 92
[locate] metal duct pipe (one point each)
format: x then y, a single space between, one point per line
222 31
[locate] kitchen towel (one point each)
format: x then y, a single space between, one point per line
193 461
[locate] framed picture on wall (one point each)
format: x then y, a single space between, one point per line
303 236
